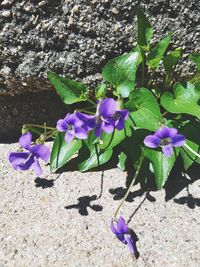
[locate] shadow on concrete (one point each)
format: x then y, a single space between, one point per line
45 183
84 203
189 200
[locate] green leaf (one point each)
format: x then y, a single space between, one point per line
70 91
184 99
100 91
113 139
161 165
121 72
122 160
62 151
97 157
144 109
171 59
157 53
191 132
196 59
144 30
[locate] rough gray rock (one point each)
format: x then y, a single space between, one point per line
41 224
76 38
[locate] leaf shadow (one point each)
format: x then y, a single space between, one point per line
178 181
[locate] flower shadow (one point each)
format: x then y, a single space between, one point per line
44 183
84 203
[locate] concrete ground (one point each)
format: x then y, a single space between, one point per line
58 220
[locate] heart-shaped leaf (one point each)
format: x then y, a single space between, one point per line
191 132
144 109
171 59
97 157
113 139
122 160
70 91
121 72
144 30
184 99
100 91
196 59
157 53
161 164
62 152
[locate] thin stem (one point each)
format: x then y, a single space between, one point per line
46 136
191 150
128 190
86 111
164 113
39 126
92 102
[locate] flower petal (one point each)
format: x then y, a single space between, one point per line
41 151
69 137
122 227
25 140
113 228
123 113
81 133
17 158
107 127
89 120
178 140
130 243
152 141
74 120
37 168
167 150
26 164
107 107
98 130
165 132
62 125
119 124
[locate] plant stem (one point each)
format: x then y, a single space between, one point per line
86 111
164 113
46 136
128 190
191 150
92 102
39 126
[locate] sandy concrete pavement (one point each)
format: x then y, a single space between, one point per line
58 220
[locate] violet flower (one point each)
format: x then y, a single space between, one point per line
107 117
122 233
29 159
166 138
73 127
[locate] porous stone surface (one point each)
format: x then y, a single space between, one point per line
60 220
76 38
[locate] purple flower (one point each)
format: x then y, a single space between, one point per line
29 159
73 127
106 119
122 233
165 138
